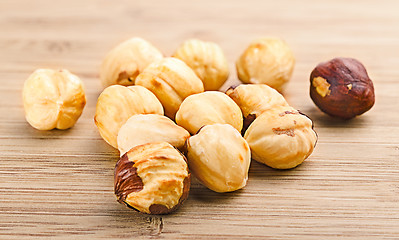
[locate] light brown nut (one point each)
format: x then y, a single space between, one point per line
116 104
254 99
219 157
267 60
53 99
146 128
127 60
208 108
281 138
207 60
152 178
171 80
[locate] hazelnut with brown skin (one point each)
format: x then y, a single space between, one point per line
152 178
341 88
281 137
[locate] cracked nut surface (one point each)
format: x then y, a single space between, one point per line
208 108
281 138
53 99
207 60
219 157
266 60
152 178
116 104
254 99
171 80
127 60
341 88
146 128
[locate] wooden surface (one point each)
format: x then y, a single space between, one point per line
59 184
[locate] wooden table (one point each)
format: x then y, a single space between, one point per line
59 184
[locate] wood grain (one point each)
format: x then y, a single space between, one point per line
59 184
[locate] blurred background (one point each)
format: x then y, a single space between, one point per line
77 34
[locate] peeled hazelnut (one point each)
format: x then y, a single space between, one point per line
116 104
126 61
254 99
208 108
219 157
267 60
152 178
171 80
342 88
146 128
281 138
207 60
53 99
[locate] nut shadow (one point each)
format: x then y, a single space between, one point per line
323 120
259 171
263 178
199 192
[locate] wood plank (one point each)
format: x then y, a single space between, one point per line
59 184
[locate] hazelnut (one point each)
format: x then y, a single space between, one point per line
126 61
342 88
254 99
116 104
152 178
53 99
281 138
207 60
267 60
146 128
171 80
208 108
219 157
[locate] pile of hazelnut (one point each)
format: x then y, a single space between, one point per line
167 118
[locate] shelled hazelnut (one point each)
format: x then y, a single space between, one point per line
127 60
341 88
152 178
266 60
281 137
207 60
53 99
116 104
219 157
208 108
146 128
254 99
171 80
